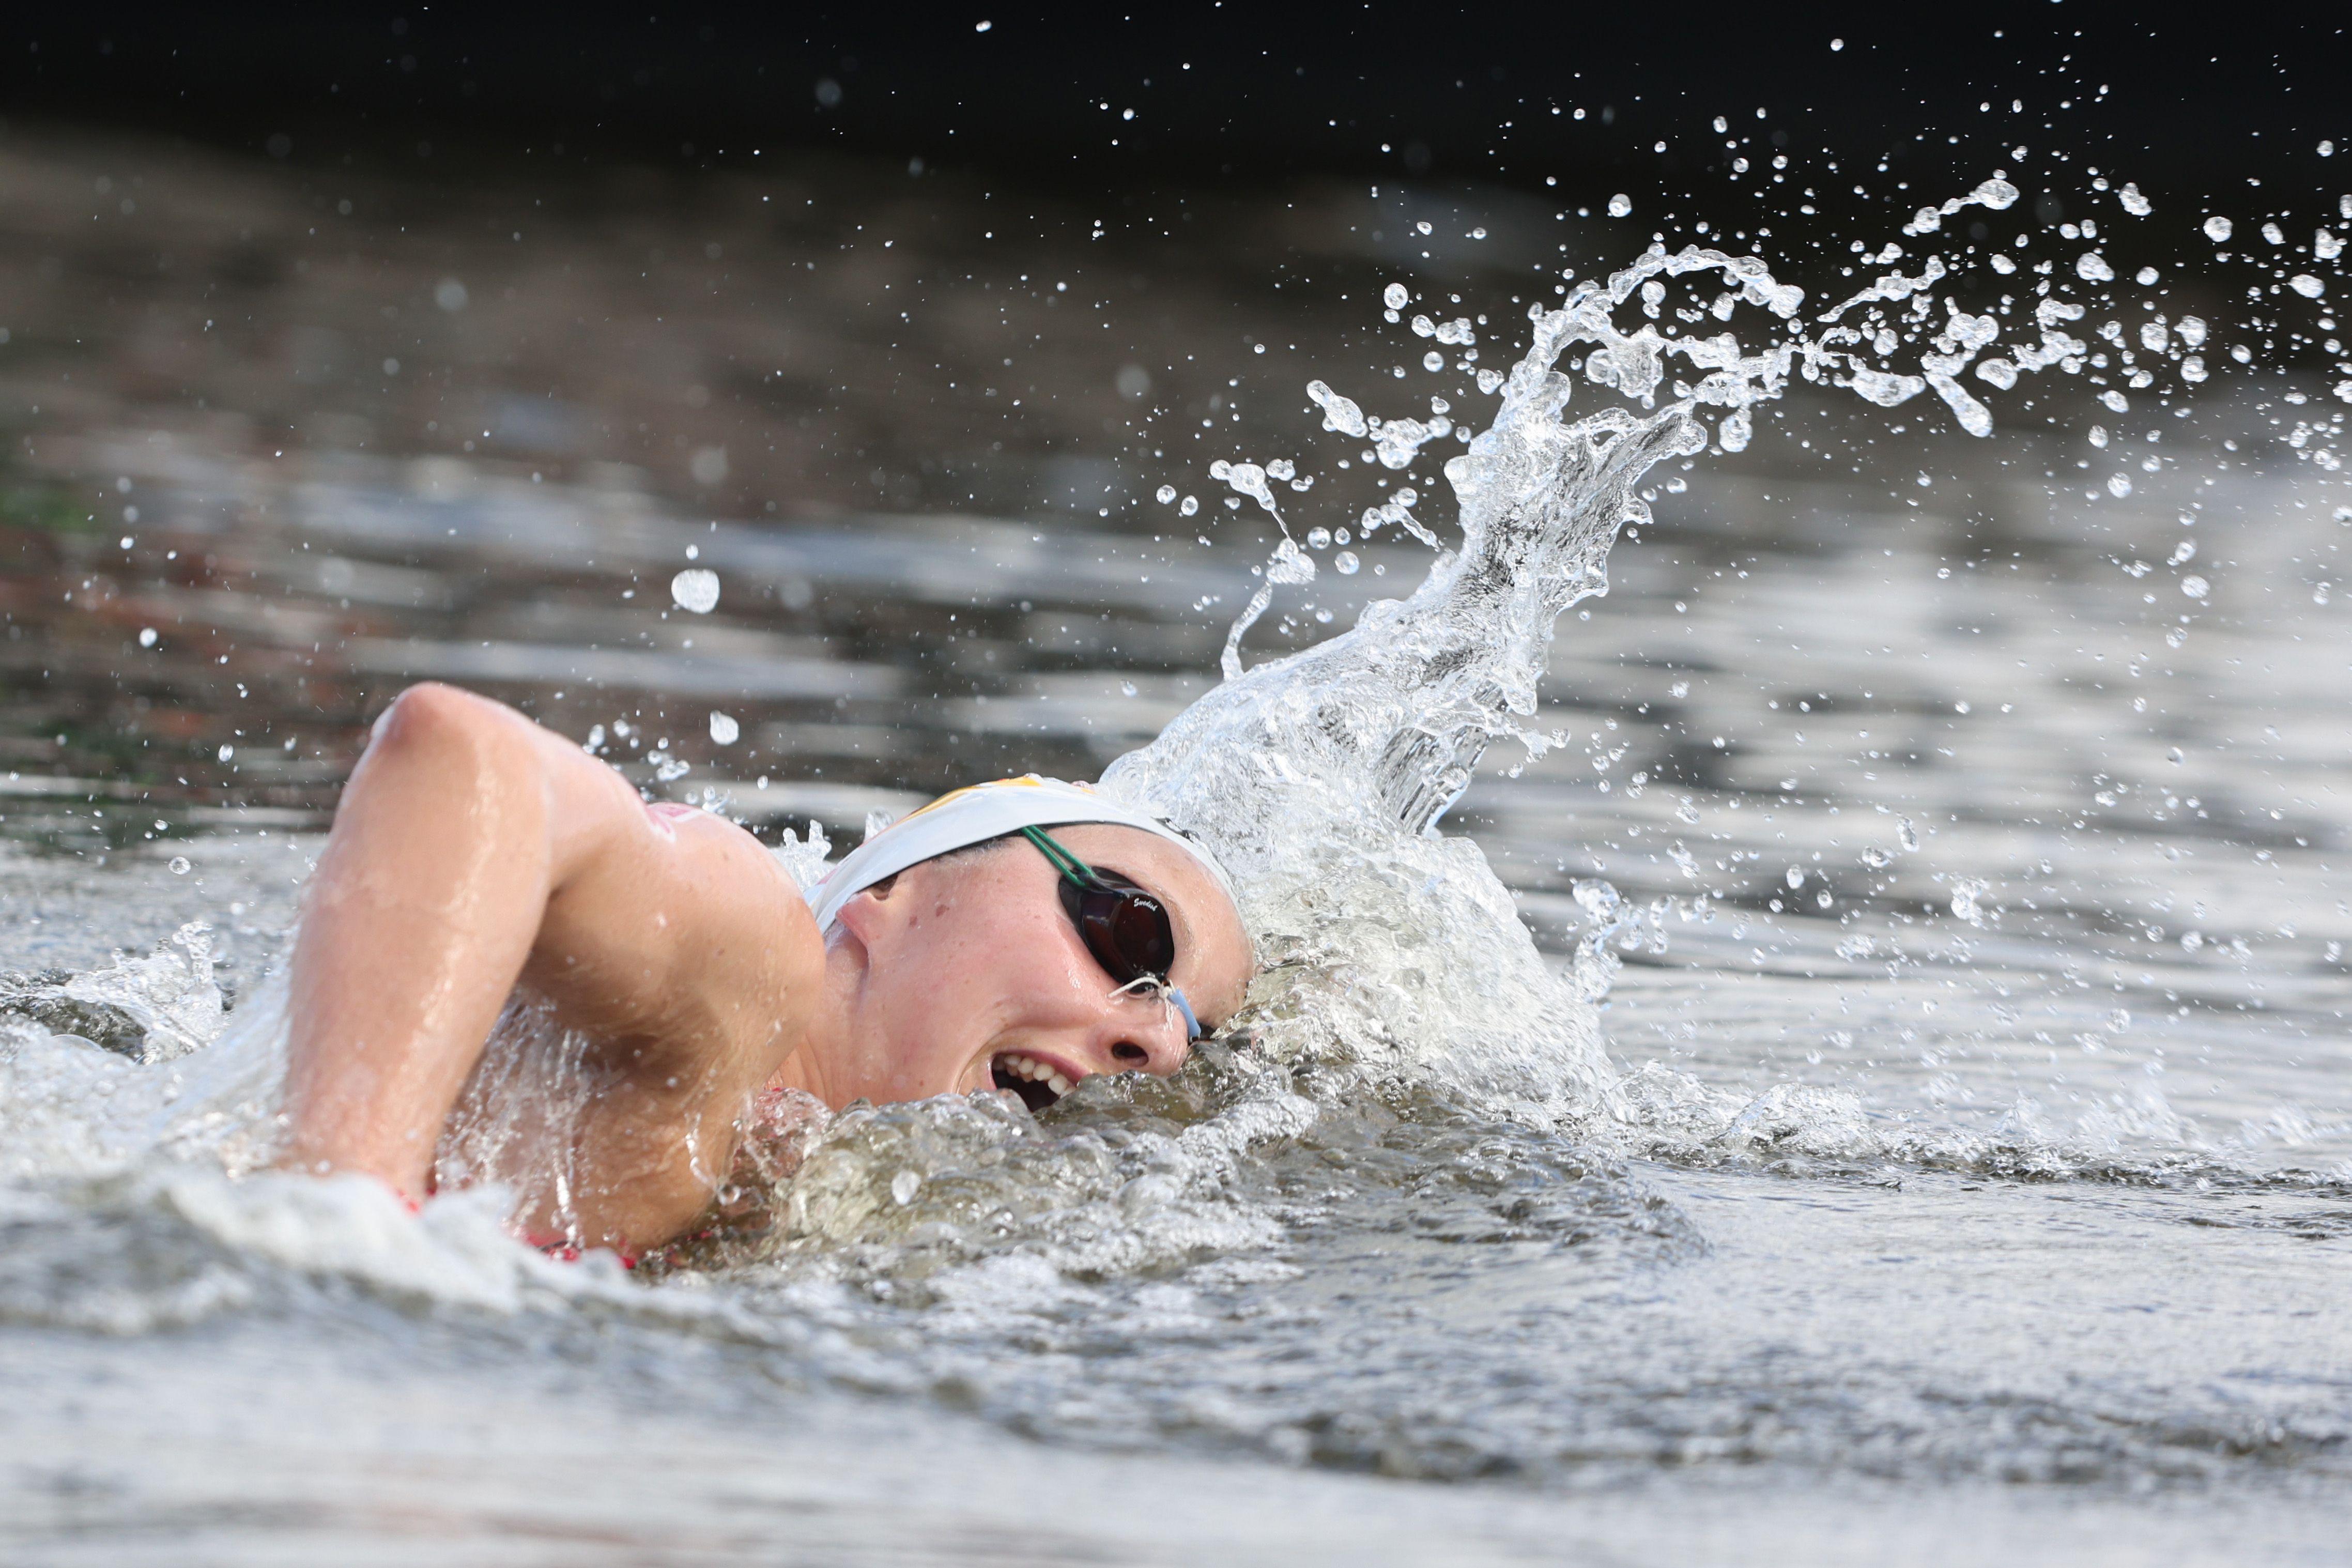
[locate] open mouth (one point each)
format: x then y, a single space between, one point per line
1039 1084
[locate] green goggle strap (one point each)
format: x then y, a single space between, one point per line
1067 864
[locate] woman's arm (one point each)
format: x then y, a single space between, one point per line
472 849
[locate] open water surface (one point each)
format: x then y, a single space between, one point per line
1973 1176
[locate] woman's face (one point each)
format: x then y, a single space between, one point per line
973 976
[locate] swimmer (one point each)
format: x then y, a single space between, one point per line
1018 936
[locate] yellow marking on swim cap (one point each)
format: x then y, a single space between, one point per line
1026 780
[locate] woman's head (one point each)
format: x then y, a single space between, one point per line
965 971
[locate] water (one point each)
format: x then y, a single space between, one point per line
1584 1182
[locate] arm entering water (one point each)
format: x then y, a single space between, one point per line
472 849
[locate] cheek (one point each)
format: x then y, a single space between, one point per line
1009 966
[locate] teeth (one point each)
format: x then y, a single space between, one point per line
1035 1072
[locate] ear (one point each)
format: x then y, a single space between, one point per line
871 912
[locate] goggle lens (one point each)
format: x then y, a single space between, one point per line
1124 927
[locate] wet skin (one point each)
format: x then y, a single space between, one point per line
474 851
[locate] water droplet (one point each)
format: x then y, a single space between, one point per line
724 728
1341 413
1619 205
696 589
179 865
1396 296
2195 587
1190 504
1345 563
226 753
1166 494
2216 228
147 637
904 1186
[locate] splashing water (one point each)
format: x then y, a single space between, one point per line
151 1009
1321 777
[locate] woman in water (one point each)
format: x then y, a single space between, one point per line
963 949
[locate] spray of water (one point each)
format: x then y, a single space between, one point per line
1322 777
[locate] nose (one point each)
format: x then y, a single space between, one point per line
1148 1036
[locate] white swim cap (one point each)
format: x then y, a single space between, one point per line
973 815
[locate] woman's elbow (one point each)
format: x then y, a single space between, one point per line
451 736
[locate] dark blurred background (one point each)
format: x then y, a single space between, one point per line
1219 93
340 346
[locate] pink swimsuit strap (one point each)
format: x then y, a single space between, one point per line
563 1249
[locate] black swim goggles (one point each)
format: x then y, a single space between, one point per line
1125 926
